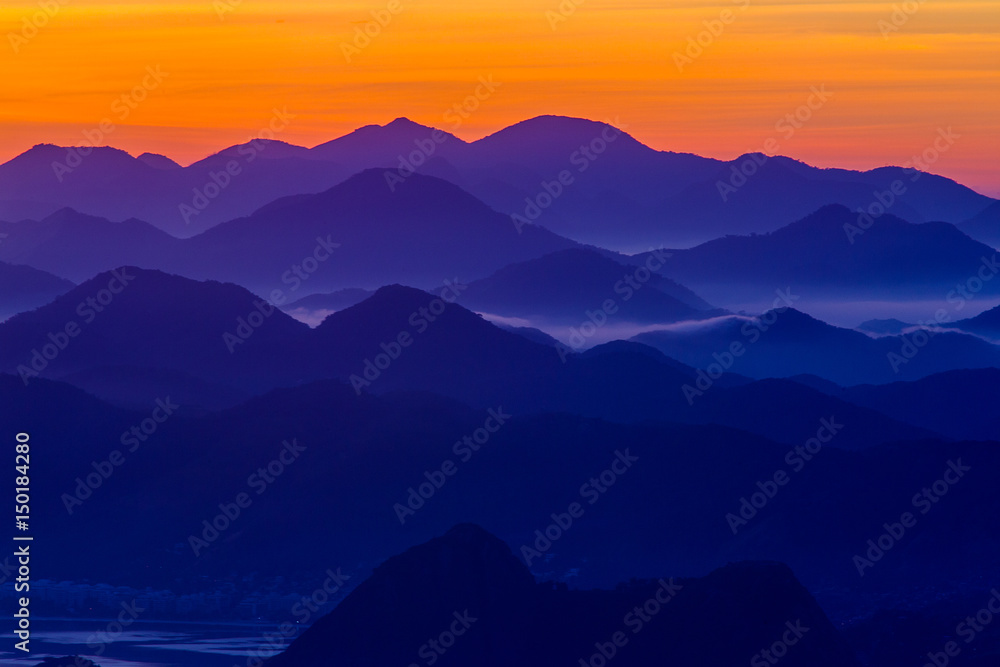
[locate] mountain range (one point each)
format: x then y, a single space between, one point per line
212 345
618 194
468 588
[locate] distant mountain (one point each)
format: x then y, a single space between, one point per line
957 403
985 324
23 288
780 190
985 225
173 329
112 184
892 259
381 145
361 234
563 287
212 345
157 161
469 584
786 343
618 193
357 234
462 356
77 246
332 301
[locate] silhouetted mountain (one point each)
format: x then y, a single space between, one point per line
77 246
110 183
422 233
169 327
564 286
23 288
532 334
157 161
893 259
985 225
618 193
985 324
358 233
780 190
786 343
381 145
356 459
213 344
746 407
332 301
959 404
469 584
461 355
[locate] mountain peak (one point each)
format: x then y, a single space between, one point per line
157 161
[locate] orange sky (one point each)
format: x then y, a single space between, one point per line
227 70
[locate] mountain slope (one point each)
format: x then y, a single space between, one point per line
423 232
149 320
786 343
77 246
564 286
469 581
892 259
618 193
23 288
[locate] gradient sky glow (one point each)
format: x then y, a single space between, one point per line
607 60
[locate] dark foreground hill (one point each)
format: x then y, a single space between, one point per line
464 599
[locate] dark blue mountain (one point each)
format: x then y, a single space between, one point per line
786 343
469 583
563 287
891 260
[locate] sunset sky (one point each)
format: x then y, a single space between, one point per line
230 62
